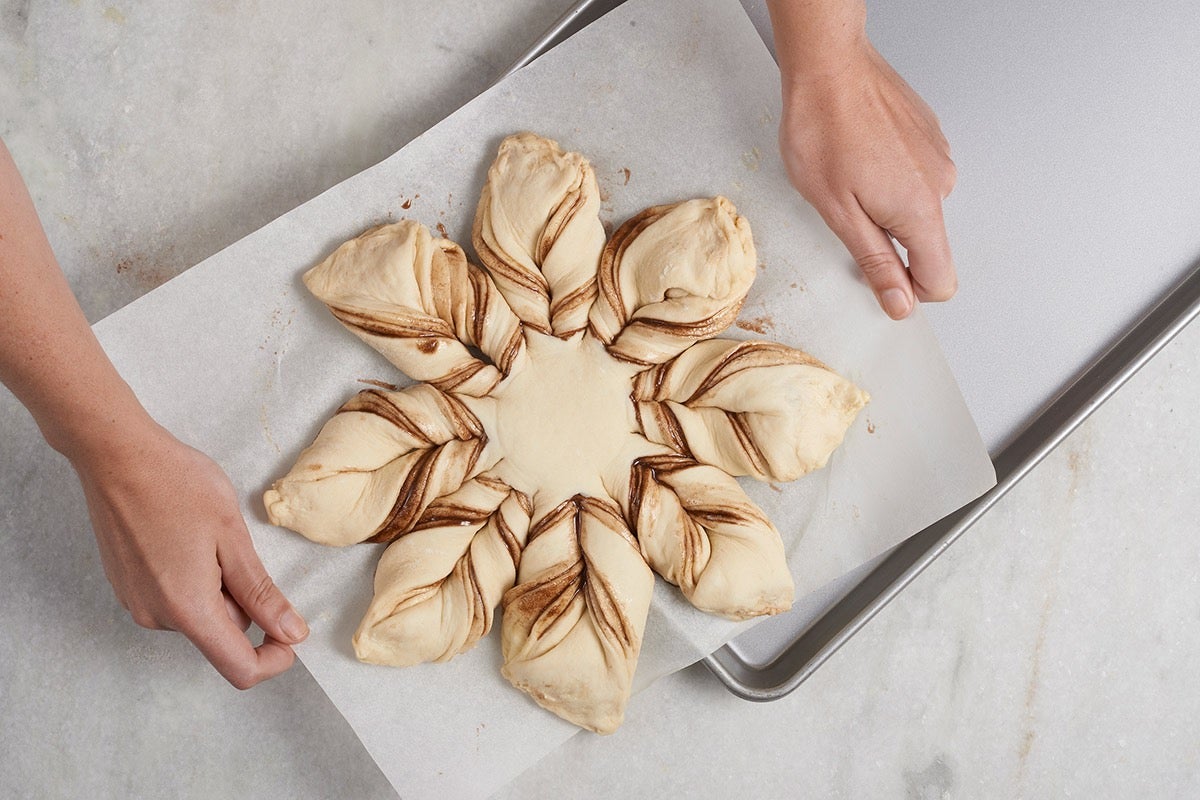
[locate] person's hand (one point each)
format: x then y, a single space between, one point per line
177 552
868 154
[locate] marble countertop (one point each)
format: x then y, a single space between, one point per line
1050 652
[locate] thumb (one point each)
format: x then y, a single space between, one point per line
247 581
872 249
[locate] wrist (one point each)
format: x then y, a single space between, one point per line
817 41
104 432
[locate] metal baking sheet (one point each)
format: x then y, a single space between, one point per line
772 661
753 677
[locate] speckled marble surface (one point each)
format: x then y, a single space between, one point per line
1050 653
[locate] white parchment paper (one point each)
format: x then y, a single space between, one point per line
670 99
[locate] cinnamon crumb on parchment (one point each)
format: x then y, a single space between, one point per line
759 325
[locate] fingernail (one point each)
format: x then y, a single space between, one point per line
295 627
895 303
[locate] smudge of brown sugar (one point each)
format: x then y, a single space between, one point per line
625 171
407 204
442 230
870 426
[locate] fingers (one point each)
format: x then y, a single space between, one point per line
226 647
930 275
235 612
930 265
872 250
251 587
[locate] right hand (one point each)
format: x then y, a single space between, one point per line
868 153
179 557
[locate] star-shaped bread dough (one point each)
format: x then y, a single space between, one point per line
576 429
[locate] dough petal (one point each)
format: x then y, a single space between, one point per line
538 231
437 586
419 302
700 531
751 408
573 624
670 276
377 464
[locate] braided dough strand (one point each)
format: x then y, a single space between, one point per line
670 276
538 231
573 624
437 586
377 464
700 531
419 302
751 408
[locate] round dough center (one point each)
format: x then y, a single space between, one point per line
563 418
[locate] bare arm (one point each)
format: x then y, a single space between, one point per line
166 518
864 149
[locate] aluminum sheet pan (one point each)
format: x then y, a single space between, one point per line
773 660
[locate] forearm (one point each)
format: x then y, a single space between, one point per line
813 36
49 357
168 529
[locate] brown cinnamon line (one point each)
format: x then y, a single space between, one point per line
374 401
583 295
410 500
606 610
559 218
610 261
546 598
456 378
530 281
746 351
429 325
407 505
511 543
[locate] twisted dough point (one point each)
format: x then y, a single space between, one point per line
377 464
538 232
700 531
670 276
573 624
750 408
437 586
418 302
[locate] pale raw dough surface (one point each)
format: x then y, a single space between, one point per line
748 407
563 421
514 479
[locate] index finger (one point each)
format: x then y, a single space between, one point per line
228 649
930 264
